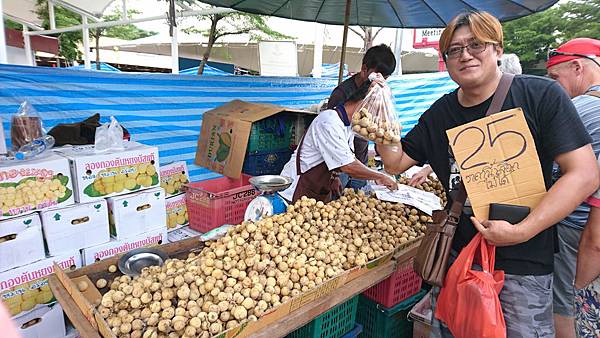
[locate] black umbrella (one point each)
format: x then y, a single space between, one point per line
383 13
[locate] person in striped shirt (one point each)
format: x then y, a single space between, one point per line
576 66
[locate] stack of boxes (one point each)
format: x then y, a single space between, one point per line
70 206
122 186
25 189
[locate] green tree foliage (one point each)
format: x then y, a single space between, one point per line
233 24
532 36
69 41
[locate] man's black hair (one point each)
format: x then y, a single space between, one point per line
381 58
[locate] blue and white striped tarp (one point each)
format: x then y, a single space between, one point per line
332 70
166 110
207 71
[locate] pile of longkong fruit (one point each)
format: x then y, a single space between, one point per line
258 266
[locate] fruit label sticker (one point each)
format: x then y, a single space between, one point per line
173 176
33 185
177 215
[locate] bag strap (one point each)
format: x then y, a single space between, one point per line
495 106
595 93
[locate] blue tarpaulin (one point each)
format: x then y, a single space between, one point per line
103 67
208 71
165 110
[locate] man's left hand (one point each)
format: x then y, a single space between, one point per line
499 233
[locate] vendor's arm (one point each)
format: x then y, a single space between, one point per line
358 170
580 179
588 255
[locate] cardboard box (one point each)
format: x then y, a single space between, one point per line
26 288
173 176
44 322
75 227
177 214
136 213
114 247
99 175
36 184
181 234
21 241
226 131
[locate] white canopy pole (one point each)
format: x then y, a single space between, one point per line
27 46
51 15
317 70
398 50
174 52
86 43
2 37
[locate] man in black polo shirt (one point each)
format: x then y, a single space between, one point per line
472 45
378 59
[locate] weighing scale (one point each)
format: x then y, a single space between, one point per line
269 202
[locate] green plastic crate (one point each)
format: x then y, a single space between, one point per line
271 134
381 322
332 324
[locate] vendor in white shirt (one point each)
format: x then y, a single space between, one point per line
326 149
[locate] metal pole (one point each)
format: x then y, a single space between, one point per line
129 21
27 46
86 43
174 52
51 15
125 9
344 41
2 37
317 70
398 50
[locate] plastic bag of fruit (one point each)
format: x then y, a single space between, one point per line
376 119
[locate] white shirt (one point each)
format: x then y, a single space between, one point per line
327 140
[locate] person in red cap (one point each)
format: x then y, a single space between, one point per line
576 66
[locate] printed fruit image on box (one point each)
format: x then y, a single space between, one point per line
34 185
173 176
99 174
125 178
25 287
177 215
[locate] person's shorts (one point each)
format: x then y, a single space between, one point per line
565 263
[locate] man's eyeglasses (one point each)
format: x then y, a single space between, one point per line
474 48
553 52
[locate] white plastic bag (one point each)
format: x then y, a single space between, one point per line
376 119
109 136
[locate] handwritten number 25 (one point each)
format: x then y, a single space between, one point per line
492 141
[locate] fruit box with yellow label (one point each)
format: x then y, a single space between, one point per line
137 213
97 253
177 213
105 174
173 176
25 288
21 241
75 227
27 186
44 322
227 132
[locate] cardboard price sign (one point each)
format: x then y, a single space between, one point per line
498 161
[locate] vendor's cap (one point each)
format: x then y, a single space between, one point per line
574 49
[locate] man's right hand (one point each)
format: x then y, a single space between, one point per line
387 181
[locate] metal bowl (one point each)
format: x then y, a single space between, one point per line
134 261
270 183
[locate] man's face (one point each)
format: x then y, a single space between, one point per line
568 75
471 68
364 72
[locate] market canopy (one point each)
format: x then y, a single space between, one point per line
385 13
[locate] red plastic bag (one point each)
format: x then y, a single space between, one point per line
468 302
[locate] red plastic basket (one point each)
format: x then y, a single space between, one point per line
403 283
219 201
